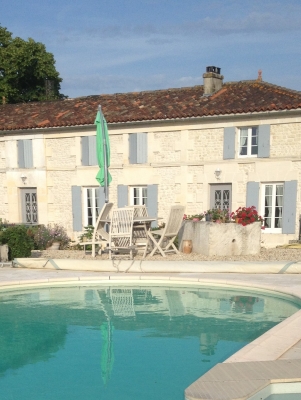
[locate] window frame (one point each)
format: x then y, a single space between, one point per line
263 196
249 144
141 197
95 208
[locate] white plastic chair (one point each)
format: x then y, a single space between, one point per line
121 231
162 240
100 234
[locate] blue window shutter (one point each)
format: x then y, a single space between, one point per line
252 194
152 202
289 207
85 150
21 162
28 158
264 141
133 148
229 143
77 208
92 150
141 148
122 196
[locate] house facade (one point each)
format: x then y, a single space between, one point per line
221 145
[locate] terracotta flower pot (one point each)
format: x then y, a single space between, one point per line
187 246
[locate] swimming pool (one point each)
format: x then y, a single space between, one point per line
123 342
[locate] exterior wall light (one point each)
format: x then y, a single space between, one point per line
23 177
217 173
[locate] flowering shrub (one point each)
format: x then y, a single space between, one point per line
45 236
195 217
246 215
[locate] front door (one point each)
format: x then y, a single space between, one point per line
29 206
221 196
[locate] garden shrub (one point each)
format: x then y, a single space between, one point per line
19 243
45 236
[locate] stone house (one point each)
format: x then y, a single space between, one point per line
215 145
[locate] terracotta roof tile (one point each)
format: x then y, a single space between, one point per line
234 98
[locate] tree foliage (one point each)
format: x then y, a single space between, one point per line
27 70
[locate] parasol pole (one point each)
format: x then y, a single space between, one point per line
104 143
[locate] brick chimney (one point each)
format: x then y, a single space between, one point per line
213 80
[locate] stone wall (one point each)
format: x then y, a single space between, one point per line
117 150
165 147
60 198
169 191
205 145
60 153
286 140
2 156
3 197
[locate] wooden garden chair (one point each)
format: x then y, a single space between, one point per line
162 240
100 235
121 231
140 228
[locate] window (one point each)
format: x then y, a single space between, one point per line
248 142
138 148
138 196
25 158
272 205
91 205
89 155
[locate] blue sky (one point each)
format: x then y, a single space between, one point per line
114 46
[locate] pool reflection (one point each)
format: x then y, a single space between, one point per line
36 325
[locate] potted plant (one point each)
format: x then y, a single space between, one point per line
194 217
246 216
217 215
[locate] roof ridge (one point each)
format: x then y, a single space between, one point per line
273 85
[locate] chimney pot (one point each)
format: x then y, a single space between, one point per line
213 80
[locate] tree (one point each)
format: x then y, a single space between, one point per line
27 71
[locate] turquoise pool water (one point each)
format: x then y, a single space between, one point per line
125 343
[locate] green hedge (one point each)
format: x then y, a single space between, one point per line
19 243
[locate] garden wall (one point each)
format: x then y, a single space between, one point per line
225 239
